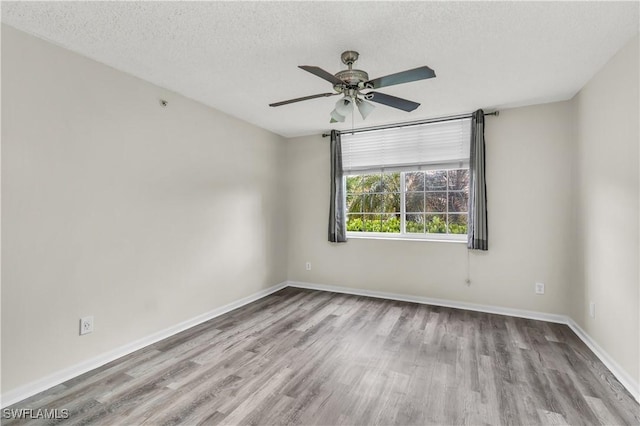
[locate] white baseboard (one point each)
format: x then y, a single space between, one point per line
623 377
30 389
541 316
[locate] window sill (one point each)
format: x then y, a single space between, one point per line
396 237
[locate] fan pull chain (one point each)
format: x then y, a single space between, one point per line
468 280
353 114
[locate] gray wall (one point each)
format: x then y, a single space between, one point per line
607 213
529 155
114 207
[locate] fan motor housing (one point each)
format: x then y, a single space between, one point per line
351 78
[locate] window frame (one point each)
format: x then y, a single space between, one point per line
403 235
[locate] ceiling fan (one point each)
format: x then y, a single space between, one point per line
352 82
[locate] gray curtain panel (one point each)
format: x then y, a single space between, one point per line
478 238
337 224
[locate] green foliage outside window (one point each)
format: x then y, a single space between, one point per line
455 228
359 225
435 226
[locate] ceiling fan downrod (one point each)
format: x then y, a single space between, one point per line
350 78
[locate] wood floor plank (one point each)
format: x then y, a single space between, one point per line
303 357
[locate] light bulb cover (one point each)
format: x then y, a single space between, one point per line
336 116
344 106
365 108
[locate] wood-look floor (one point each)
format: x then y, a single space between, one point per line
309 357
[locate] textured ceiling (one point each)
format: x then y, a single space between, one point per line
240 56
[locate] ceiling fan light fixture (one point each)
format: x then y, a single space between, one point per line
344 106
336 116
365 108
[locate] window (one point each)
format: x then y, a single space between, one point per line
410 182
374 202
418 204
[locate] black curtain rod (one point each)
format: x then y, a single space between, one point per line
415 123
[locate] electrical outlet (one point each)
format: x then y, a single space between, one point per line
539 288
86 325
308 266
592 309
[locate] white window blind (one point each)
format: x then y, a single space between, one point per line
423 146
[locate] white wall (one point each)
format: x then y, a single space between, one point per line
114 207
529 155
607 209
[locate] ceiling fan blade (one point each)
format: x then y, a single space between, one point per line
305 98
322 74
392 101
415 74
